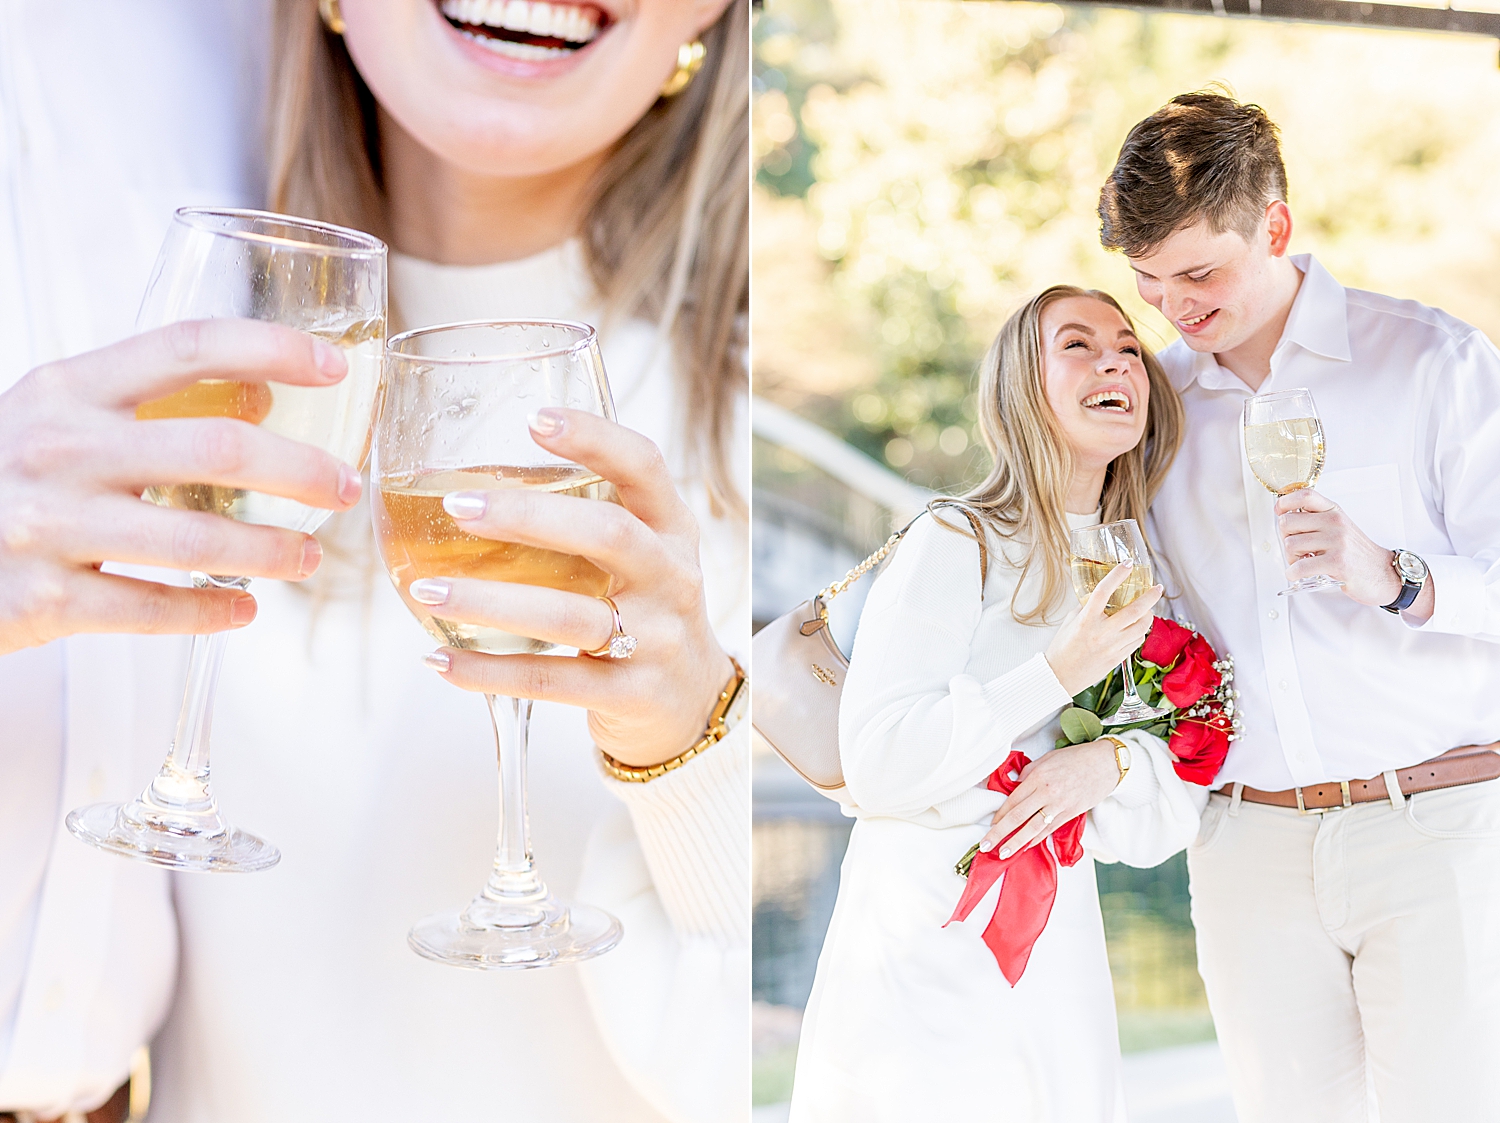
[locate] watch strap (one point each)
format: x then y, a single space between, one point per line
1120 748
1409 590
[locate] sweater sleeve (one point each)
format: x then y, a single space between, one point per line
1151 815
914 728
673 999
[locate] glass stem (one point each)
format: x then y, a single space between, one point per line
179 797
1132 699
513 878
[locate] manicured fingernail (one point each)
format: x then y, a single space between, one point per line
429 591
438 660
241 611
986 846
465 504
1006 852
312 555
547 422
349 485
330 359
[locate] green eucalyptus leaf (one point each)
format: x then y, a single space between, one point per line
1080 725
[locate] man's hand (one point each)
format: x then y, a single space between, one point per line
1318 537
74 460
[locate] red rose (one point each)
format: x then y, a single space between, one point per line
1192 678
1164 642
1200 748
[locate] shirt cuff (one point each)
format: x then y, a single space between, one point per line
1026 695
694 828
1458 596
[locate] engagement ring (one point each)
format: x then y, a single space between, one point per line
619 645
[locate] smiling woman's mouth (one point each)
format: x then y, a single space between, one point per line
525 29
1111 401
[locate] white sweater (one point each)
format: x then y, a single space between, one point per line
943 683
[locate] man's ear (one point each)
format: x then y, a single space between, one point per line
1279 227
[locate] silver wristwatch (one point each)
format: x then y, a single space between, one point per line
1413 573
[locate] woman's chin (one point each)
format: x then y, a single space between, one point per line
1108 437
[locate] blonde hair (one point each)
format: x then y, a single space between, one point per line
666 230
1024 495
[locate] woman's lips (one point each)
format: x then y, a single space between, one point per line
1195 324
527 21
523 54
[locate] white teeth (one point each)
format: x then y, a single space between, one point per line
529 52
1198 319
531 17
1108 399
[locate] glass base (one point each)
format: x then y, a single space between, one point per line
1127 714
1310 584
493 936
178 842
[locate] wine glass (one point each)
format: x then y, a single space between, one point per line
1284 444
454 417
321 279
1097 550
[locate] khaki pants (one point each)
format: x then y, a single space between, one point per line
1352 951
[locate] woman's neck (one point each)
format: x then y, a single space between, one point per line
1084 491
442 213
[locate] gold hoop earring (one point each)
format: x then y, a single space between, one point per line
333 19
689 62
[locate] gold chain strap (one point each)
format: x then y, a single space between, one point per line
827 594
862 568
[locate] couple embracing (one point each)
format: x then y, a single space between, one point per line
1345 859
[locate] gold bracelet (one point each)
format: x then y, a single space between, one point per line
718 728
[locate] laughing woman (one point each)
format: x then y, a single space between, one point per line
583 161
909 1019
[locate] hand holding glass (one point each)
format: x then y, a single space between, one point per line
1284 444
454 417
321 279
1097 550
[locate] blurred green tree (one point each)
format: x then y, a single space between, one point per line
922 166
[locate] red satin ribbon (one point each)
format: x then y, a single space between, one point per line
1030 884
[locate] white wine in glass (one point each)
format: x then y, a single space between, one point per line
1284 445
1097 552
331 283
419 539
453 417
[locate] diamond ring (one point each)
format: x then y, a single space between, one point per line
619 645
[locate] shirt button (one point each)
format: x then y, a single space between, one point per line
1265 547
1271 615
1282 684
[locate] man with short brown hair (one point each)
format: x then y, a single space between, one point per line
1346 879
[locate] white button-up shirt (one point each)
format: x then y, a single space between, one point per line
1330 689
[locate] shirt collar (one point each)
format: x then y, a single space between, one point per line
1318 322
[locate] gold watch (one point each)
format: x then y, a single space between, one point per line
728 711
1122 756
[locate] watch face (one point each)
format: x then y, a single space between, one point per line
1411 567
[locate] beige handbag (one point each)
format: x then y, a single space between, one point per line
798 671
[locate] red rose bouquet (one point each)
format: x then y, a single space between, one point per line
1177 667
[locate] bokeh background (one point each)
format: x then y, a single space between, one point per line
923 165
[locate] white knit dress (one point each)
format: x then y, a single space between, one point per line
910 1020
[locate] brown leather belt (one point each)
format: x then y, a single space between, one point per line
1471 764
116 1110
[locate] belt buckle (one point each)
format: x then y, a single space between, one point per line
1303 809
